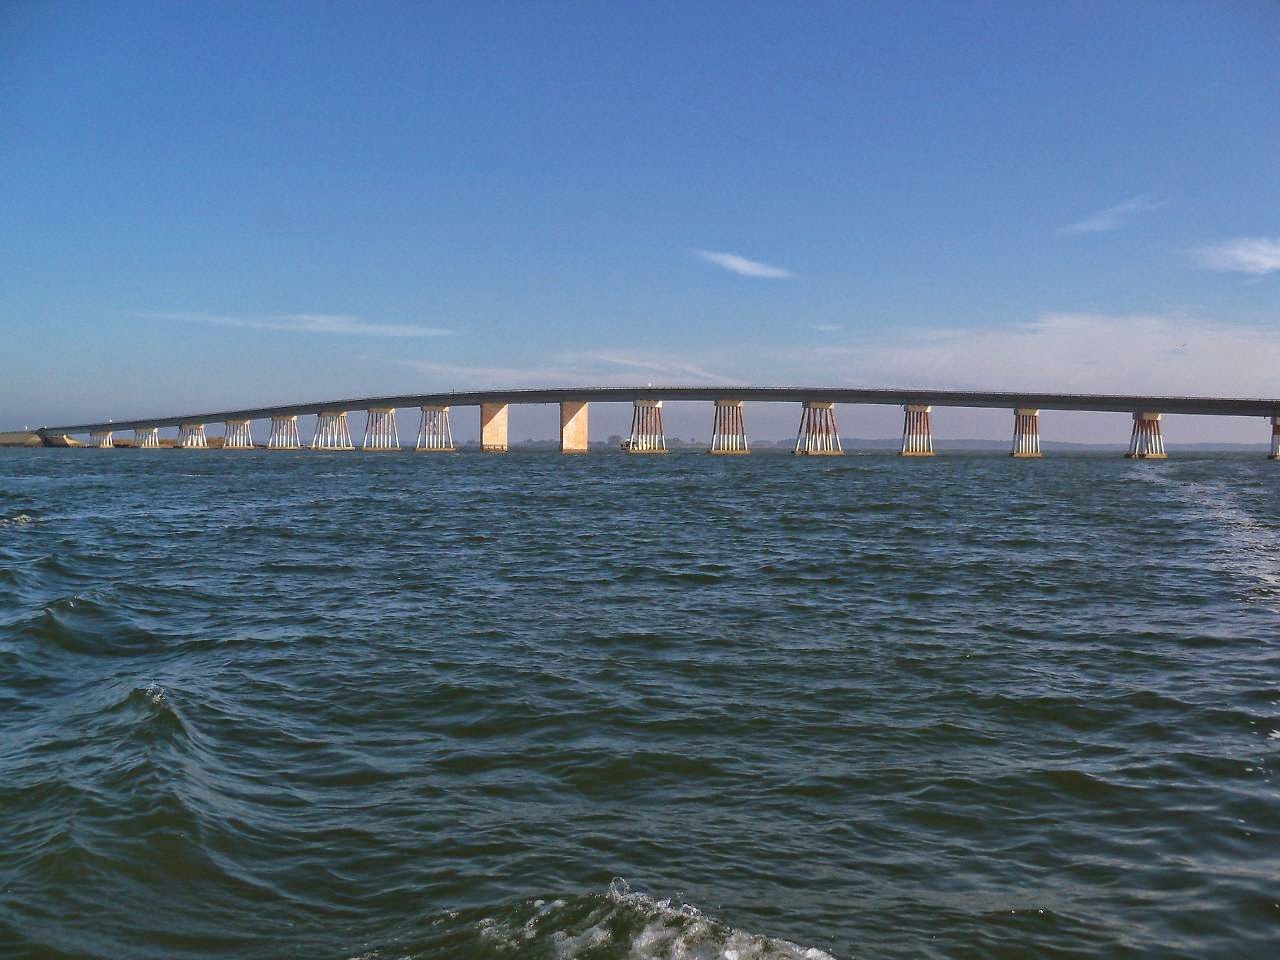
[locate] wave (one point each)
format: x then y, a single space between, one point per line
619 923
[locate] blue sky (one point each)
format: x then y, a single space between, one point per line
212 204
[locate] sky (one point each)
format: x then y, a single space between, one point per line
207 205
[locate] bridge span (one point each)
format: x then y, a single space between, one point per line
817 434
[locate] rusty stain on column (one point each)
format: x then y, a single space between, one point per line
729 428
647 435
1026 433
818 434
1146 442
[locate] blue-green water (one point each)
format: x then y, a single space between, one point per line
297 705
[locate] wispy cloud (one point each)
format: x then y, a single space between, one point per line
596 368
1113 218
311 323
678 368
1081 352
1255 255
742 266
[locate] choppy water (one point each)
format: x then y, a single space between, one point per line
297 705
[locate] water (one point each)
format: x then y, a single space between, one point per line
336 706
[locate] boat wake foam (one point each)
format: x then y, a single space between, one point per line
619 923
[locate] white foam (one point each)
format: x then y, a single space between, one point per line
643 928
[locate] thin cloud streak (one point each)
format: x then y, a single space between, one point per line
1254 255
742 266
1071 352
598 368
311 323
1113 218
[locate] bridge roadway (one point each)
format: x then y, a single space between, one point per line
1111 403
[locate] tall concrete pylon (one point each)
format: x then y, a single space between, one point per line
574 426
493 427
818 434
380 431
284 434
238 435
1146 442
434 433
917 430
1026 433
191 436
647 435
729 428
332 431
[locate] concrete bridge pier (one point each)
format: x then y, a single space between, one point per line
917 431
101 439
238 435
434 433
1146 442
493 427
574 415
1026 432
380 431
191 436
147 438
332 431
1275 439
818 434
284 434
647 435
729 428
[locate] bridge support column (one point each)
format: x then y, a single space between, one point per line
191 436
147 438
729 428
647 435
1026 433
1275 439
434 433
380 429
238 436
101 439
573 426
917 431
332 431
1146 443
493 427
818 434
284 434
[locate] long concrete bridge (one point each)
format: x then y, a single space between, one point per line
817 433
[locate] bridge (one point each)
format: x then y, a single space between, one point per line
817 433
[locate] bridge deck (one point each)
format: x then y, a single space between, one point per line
1114 403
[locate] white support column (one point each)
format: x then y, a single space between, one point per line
101 439
1275 439
493 427
729 428
574 426
284 434
1146 442
238 436
917 431
1026 433
647 435
147 438
380 431
332 431
191 437
818 434
434 432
